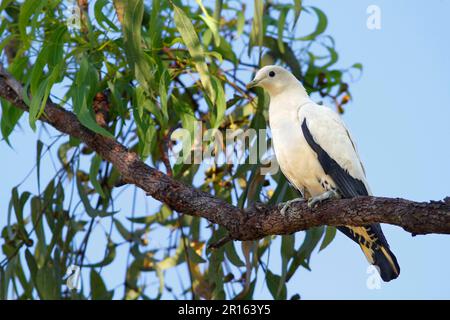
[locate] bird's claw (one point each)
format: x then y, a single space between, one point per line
287 204
315 201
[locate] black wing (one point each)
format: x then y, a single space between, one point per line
347 185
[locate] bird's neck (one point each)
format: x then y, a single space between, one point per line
286 104
295 88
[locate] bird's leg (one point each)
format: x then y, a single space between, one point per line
287 204
327 195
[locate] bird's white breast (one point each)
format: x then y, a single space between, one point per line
297 160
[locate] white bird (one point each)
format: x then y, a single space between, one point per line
318 157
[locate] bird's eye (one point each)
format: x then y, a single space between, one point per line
272 74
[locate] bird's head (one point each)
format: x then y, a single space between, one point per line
274 79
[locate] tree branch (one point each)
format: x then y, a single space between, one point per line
255 222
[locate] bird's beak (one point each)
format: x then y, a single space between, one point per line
252 83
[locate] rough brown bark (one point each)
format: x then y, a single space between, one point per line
255 222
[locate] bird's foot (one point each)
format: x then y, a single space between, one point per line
287 204
327 195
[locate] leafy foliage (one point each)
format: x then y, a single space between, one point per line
137 71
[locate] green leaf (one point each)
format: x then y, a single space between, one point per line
218 11
83 91
303 254
39 146
226 51
320 27
56 46
5 4
18 205
215 270
9 118
212 24
6 40
39 97
101 17
37 72
186 114
98 287
56 236
3 284
32 265
156 24
281 24
20 275
141 102
240 23
174 260
231 254
109 257
63 149
27 10
36 218
190 39
298 10
220 104
160 276
358 66
287 252
163 88
159 217
132 24
333 57
328 238
49 195
194 257
126 235
273 282
48 282
287 246
93 172
145 124
257 32
85 200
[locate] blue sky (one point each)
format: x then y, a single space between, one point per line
400 119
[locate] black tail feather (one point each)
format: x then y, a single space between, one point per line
387 263
375 248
